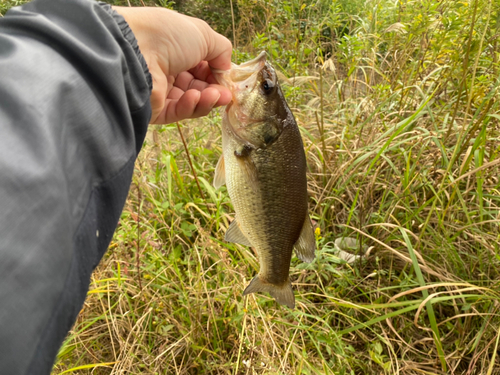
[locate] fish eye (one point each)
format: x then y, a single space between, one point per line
267 86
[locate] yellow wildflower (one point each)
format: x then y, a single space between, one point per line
317 233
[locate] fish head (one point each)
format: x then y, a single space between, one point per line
257 113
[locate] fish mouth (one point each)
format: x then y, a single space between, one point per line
243 76
239 79
259 60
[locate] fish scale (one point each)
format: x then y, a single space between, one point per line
272 217
264 168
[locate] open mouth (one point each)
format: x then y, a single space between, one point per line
243 76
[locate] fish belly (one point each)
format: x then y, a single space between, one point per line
271 212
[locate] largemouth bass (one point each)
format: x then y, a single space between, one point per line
264 167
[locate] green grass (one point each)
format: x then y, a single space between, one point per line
398 105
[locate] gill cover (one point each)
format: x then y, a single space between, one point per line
255 117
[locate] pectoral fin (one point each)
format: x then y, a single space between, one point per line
234 234
282 294
249 170
220 173
306 244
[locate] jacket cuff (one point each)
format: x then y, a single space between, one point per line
130 38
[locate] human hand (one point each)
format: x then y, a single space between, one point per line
180 51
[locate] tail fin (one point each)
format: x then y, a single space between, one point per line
282 294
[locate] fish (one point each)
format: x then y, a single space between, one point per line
263 165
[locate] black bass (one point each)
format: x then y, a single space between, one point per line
264 167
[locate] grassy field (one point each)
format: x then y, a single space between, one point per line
398 105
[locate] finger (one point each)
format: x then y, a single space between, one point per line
182 108
192 104
201 71
225 95
211 97
175 93
220 56
220 48
208 99
171 108
212 80
185 81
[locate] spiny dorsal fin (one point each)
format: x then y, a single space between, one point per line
220 173
234 234
306 244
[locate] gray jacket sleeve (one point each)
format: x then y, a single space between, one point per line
74 110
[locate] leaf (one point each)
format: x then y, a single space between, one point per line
84 367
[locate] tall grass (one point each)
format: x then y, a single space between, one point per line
398 106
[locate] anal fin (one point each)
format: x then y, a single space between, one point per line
306 244
282 294
234 234
220 173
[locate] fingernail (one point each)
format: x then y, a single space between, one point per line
216 100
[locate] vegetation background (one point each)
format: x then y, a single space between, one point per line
398 105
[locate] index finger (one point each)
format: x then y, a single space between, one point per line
219 49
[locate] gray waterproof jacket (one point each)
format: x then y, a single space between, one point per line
74 110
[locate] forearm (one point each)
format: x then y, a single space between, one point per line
74 109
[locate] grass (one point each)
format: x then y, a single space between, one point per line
398 106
